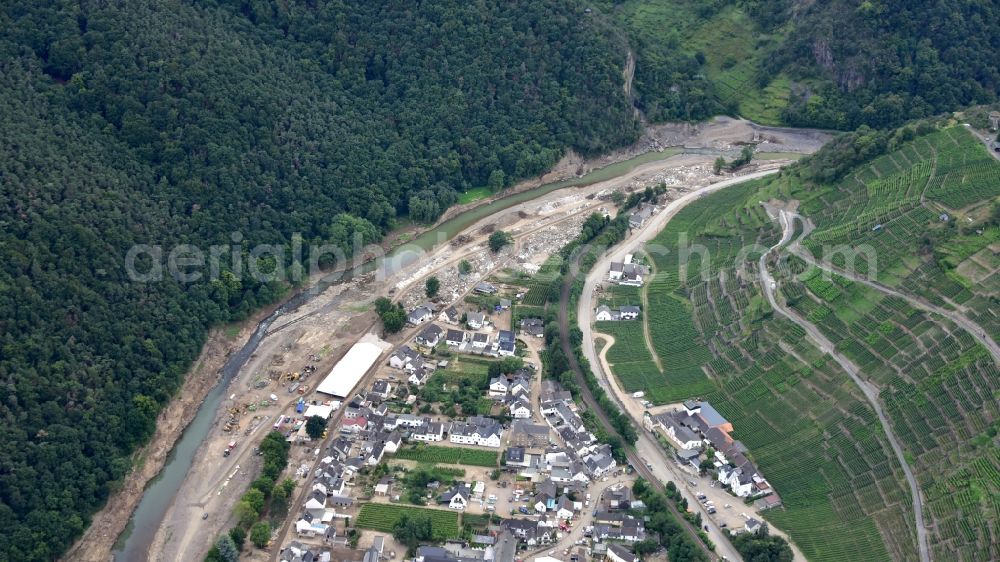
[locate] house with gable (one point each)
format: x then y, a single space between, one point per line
401 356
475 320
499 386
450 315
533 327
455 338
520 409
419 315
429 336
457 497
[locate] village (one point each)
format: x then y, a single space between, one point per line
533 476
459 420
439 410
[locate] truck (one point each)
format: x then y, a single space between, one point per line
300 406
229 449
638 394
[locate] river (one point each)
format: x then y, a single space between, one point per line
133 544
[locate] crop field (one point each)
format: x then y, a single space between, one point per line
383 517
619 295
930 369
938 385
541 284
447 455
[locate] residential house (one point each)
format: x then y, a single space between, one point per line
419 315
429 336
457 497
431 432
383 486
505 336
533 327
409 420
519 387
419 377
455 338
520 409
629 312
504 304
499 386
565 508
476 320
480 340
629 274
639 217
620 553
354 425
450 315
485 288
506 349
633 529
524 530
600 462
526 434
708 415
604 314
401 356
752 525
382 389
477 430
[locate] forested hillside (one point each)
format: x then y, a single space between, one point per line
162 122
834 64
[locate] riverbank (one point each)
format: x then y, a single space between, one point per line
98 541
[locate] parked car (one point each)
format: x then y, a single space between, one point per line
523 510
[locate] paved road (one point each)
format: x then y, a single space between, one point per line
870 392
636 459
648 447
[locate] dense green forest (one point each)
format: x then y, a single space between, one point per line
166 122
834 64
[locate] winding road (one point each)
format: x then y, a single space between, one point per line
974 330
871 393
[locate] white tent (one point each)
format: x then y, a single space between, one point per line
348 371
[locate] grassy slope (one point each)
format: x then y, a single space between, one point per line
806 425
733 51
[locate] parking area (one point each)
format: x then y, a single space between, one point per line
729 510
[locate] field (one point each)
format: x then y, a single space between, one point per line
807 428
447 455
383 517
473 195
543 284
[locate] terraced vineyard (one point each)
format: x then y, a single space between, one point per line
807 426
917 216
